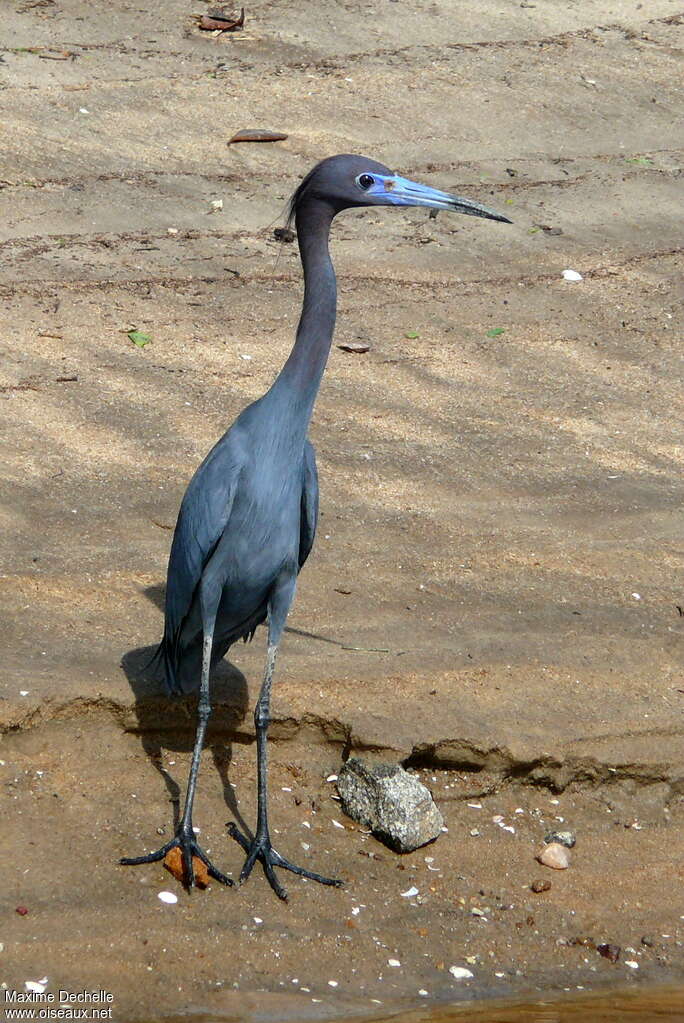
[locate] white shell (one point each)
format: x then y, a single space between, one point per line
460 972
410 892
35 986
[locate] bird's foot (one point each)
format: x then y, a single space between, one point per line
185 840
260 848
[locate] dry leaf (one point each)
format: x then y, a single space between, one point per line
219 21
173 861
356 347
257 135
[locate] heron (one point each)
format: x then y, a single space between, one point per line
247 522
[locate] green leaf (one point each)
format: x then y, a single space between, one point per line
411 335
138 338
643 161
495 331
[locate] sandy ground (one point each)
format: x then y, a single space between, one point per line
495 595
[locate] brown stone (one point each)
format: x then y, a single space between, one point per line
554 855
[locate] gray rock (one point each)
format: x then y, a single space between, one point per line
566 838
397 808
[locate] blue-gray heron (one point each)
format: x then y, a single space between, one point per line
248 518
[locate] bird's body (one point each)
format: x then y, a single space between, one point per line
248 519
258 526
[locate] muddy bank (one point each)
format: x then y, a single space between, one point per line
83 793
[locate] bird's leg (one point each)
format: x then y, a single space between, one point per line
260 848
185 836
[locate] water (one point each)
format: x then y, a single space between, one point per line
633 1006
614 1007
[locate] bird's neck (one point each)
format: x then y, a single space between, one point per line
301 375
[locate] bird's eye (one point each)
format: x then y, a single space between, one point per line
365 180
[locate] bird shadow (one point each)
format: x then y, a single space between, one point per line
166 723
156 594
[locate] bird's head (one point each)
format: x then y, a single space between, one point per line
345 181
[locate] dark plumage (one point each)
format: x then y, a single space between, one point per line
248 519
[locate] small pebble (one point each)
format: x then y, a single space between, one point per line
332 983
571 275
21 910
648 941
554 855
566 838
168 897
610 952
540 886
474 832
393 962
632 964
